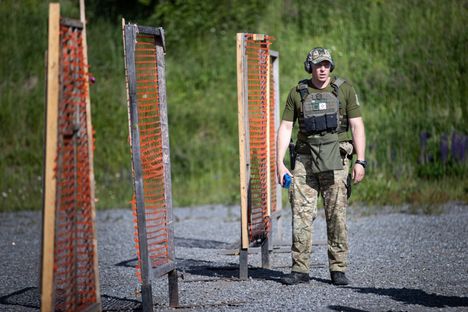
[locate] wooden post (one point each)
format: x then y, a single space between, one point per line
243 264
276 216
242 112
274 57
173 289
50 182
89 131
265 246
146 291
266 252
172 275
268 145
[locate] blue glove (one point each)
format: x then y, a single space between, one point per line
286 180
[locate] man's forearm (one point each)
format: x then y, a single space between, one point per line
360 144
359 138
284 136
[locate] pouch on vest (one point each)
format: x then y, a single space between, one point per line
325 152
320 113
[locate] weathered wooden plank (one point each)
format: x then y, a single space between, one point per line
276 216
50 182
268 141
173 281
173 289
89 131
146 292
242 115
166 155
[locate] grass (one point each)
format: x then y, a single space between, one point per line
407 65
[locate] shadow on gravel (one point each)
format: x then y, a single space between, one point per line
200 243
130 263
416 296
30 297
230 271
325 281
214 271
344 309
111 303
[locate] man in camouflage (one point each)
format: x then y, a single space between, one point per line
325 107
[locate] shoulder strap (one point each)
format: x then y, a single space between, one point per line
302 89
336 84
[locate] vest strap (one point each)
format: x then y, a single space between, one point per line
303 91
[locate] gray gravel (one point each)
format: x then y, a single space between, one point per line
398 262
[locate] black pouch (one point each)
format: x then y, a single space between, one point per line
309 125
320 123
332 121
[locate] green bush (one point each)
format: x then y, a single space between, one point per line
407 65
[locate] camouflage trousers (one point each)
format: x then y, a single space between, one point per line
303 194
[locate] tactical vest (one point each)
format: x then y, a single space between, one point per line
320 121
321 111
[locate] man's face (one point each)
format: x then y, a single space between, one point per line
321 71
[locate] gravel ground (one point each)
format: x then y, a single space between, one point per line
398 262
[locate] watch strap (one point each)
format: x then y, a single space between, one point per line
363 163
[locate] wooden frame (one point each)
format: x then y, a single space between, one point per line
130 32
50 197
244 151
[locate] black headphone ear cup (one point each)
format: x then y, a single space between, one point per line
307 66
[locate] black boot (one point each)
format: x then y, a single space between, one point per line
296 278
339 278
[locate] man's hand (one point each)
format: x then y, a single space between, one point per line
282 170
358 173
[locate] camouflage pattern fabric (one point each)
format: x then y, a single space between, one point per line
317 55
304 191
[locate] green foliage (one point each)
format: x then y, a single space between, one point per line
423 195
408 66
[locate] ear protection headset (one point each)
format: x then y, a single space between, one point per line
308 63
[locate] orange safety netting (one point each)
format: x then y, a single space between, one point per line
74 258
151 152
257 54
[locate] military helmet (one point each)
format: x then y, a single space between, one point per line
317 55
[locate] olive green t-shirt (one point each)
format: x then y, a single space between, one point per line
349 103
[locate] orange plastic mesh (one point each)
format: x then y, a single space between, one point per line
257 54
149 125
273 180
74 258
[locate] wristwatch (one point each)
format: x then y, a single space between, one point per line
363 163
